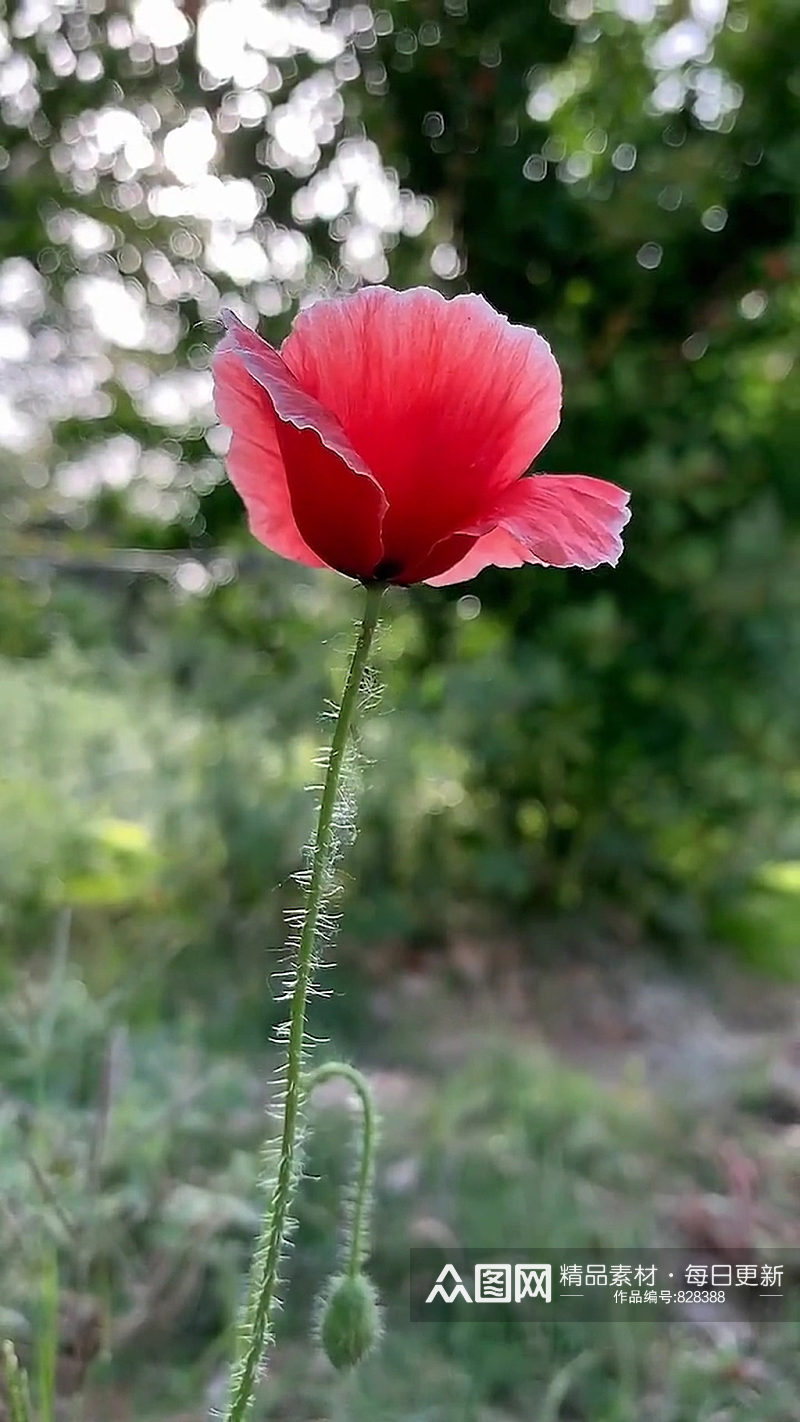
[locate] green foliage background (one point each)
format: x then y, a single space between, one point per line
623 177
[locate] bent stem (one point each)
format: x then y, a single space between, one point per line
272 1240
357 1222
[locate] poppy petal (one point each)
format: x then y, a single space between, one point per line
559 520
334 502
497 549
255 463
445 401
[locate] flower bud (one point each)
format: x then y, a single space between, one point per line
350 1320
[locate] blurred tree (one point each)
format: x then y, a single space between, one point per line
623 175
626 178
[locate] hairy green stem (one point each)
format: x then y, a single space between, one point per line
271 1244
358 1223
16 1381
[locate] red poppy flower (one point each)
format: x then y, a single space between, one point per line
390 436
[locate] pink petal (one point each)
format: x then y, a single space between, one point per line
560 520
497 549
445 401
308 494
255 463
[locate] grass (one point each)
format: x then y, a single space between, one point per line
128 1162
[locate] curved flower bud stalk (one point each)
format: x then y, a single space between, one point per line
389 439
358 1204
348 1313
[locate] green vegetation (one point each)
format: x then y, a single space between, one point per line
130 1161
625 179
614 751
